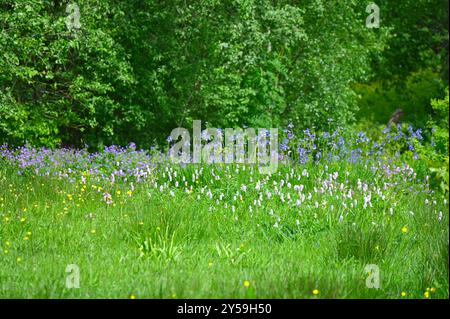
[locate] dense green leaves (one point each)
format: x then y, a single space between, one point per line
134 70
419 38
259 63
57 85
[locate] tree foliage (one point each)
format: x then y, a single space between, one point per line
419 38
136 69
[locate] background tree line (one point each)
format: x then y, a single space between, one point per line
136 69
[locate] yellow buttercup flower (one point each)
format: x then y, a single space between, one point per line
403 294
132 297
404 230
315 292
427 294
246 283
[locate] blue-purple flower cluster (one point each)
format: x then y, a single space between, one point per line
115 162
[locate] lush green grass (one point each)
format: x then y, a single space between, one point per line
153 244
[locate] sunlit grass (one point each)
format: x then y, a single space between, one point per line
218 239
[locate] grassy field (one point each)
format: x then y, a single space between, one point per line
308 231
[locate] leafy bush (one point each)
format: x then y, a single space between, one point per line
437 155
58 85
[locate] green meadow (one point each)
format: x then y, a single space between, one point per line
210 239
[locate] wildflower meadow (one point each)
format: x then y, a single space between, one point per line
136 225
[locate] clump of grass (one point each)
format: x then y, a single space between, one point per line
159 244
366 244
